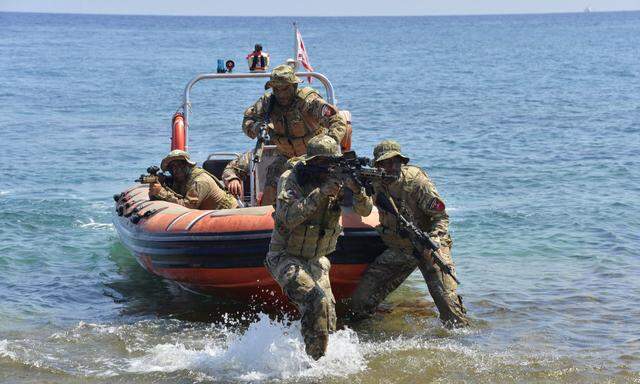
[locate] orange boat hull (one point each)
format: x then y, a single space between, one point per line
221 253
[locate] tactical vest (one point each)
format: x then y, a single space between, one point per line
292 129
314 238
402 193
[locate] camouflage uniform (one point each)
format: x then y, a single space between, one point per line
306 231
199 191
237 169
415 194
293 125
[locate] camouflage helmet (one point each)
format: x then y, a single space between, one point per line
176 154
282 74
388 149
322 146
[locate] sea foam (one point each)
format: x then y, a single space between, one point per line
266 350
92 224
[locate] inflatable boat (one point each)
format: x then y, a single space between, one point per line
221 252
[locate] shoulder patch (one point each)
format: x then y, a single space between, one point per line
328 110
436 204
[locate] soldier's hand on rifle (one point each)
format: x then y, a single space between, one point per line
270 127
235 188
331 187
155 189
255 129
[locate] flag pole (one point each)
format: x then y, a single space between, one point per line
296 44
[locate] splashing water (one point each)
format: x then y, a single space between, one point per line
4 351
267 350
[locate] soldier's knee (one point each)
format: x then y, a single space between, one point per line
297 291
271 262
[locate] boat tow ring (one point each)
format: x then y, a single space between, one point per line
135 218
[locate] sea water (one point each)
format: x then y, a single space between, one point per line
529 125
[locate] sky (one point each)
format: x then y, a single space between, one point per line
314 8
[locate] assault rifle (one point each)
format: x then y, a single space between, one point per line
420 240
263 132
154 176
360 168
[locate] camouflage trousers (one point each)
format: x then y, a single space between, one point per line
306 284
391 269
274 171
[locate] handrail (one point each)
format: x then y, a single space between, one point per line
235 154
186 100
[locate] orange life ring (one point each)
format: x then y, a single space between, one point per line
178 133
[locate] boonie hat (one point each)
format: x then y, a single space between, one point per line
282 74
386 150
322 146
176 154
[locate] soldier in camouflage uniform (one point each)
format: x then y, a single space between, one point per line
235 171
306 231
417 198
192 186
296 115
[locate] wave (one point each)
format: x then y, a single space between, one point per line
4 350
267 350
92 224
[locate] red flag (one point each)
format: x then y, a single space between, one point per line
301 54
